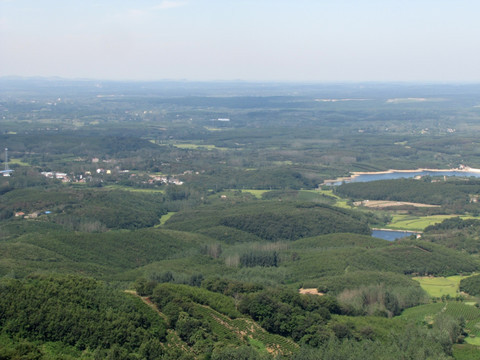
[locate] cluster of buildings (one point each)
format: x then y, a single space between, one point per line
56 175
164 180
82 178
32 215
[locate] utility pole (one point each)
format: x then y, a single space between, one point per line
6 159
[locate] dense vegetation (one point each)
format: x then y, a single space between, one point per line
274 221
203 202
82 313
88 209
454 196
471 285
456 233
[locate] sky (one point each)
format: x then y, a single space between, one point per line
262 40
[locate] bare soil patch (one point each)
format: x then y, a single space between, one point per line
386 204
310 291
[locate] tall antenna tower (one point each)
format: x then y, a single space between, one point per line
6 159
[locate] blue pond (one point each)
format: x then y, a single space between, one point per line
391 235
406 174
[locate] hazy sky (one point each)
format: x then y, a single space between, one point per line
280 40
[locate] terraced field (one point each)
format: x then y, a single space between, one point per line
244 329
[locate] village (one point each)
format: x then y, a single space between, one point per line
99 173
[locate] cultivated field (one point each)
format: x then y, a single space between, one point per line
440 286
418 223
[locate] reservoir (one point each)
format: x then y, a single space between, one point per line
393 174
391 235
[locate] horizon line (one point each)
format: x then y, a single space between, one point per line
259 81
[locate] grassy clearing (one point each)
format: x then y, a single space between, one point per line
417 223
165 217
17 162
327 192
473 341
256 193
341 203
439 286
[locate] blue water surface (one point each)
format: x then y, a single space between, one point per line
391 235
405 175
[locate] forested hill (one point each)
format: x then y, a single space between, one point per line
77 318
274 221
419 191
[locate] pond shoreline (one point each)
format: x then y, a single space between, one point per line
355 174
398 230
392 235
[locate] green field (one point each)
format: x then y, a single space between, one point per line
165 217
328 193
256 193
17 162
439 286
341 203
417 223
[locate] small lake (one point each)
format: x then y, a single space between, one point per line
403 175
391 235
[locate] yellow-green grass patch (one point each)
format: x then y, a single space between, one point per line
256 193
341 203
18 162
326 192
439 286
473 341
165 217
418 223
